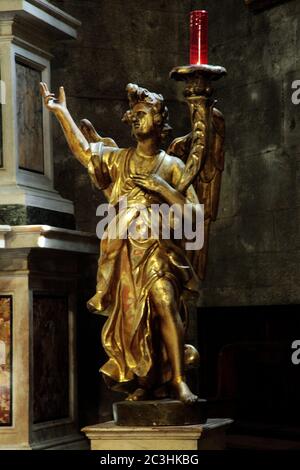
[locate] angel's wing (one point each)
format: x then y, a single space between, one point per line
91 136
207 182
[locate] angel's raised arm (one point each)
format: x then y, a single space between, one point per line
77 142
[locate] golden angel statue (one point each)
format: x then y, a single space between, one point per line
145 282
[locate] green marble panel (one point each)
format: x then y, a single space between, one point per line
16 214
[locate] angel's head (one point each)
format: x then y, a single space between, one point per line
148 114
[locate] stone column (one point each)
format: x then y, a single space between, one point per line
28 30
39 280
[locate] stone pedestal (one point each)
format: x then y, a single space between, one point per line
28 30
164 412
39 281
109 436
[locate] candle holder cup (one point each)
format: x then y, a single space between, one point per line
208 126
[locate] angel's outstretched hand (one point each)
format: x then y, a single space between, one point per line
51 102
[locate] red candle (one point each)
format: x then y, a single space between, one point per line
199 37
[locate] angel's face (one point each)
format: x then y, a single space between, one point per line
143 124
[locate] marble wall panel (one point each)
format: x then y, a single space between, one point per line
5 360
30 119
50 357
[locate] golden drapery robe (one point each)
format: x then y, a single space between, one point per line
129 266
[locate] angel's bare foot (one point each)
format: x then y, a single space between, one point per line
182 392
137 395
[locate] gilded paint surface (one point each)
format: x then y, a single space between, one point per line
145 282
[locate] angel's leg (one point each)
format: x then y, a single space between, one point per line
163 299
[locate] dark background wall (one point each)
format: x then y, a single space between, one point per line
254 251
119 42
254 248
254 244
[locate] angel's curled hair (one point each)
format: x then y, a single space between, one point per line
138 94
